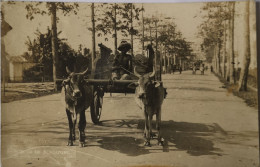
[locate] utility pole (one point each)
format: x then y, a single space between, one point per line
115 29
232 71
54 42
143 28
93 56
224 54
156 48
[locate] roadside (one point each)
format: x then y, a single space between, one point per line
250 96
20 91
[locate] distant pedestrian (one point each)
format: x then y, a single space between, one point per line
180 69
202 69
194 69
172 69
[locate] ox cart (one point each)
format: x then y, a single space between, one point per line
80 93
102 83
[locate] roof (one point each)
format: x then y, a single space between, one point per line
16 59
5 27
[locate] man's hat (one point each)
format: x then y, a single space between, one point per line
124 46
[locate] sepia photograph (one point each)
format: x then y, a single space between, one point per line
109 84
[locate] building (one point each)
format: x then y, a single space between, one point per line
16 66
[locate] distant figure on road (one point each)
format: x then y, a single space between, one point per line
211 68
194 69
172 68
180 69
202 69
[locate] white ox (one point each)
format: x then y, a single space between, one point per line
149 96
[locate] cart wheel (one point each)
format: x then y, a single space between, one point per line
96 107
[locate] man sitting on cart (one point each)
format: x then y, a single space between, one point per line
122 65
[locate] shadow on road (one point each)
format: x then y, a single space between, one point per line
124 144
194 138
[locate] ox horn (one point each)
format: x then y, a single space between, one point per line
136 73
84 72
68 71
153 73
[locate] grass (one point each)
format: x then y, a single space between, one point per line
249 96
14 96
21 91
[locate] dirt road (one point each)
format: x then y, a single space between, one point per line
203 125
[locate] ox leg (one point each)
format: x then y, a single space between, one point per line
153 135
82 126
158 127
145 124
74 120
149 129
146 129
69 116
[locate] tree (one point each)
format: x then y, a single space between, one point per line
213 32
93 56
242 84
40 52
51 9
117 18
109 24
231 36
130 13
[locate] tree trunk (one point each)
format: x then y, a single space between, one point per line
216 59
242 85
219 52
54 42
174 59
93 56
164 60
232 69
3 64
150 34
224 52
228 46
180 63
115 29
258 48
132 39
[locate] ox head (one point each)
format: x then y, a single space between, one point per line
74 83
145 84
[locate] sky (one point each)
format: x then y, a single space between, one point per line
75 27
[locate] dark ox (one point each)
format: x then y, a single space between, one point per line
149 95
77 99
